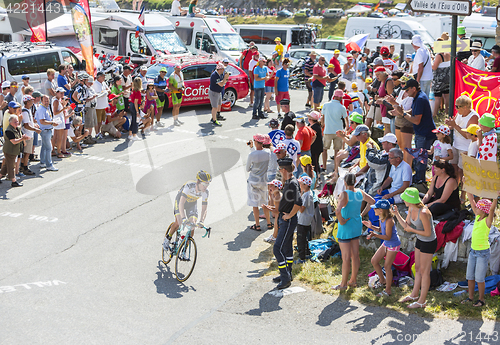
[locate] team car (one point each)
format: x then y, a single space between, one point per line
197 71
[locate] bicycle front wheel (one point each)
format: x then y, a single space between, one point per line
185 260
166 254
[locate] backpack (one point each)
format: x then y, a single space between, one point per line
329 252
436 279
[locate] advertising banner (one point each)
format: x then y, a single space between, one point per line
80 13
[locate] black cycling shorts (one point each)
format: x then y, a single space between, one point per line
190 208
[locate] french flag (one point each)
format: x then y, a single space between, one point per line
141 15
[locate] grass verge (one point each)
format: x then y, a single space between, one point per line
322 276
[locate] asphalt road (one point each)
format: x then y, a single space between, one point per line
80 254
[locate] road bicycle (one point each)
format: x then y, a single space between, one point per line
388 31
184 249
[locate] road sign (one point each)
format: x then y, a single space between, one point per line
445 46
453 7
498 13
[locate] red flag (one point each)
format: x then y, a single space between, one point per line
482 87
36 19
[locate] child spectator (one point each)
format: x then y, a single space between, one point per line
279 48
472 135
117 89
441 148
479 254
274 192
389 248
306 213
75 132
487 138
114 118
151 98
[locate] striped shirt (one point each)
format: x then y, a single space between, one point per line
309 65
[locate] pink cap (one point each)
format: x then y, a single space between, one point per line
315 115
279 147
276 183
259 137
338 93
484 205
267 140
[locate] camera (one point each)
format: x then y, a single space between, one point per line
249 143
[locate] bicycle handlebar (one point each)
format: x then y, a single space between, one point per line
208 230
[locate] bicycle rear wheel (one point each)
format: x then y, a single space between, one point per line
166 255
185 260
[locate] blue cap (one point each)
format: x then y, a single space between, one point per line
25 77
384 204
13 104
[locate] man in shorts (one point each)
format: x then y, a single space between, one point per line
281 84
308 71
176 86
218 80
102 90
160 83
114 119
333 120
28 128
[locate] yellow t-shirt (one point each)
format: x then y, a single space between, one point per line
480 234
279 49
5 121
362 152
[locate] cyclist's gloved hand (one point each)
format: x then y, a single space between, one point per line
200 225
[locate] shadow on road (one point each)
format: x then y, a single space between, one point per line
267 304
471 333
167 284
333 311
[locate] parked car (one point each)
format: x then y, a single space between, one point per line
197 71
376 15
212 13
297 54
330 44
284 14
333 13
301 13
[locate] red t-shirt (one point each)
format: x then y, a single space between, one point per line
346 101
135 95
247 57
305 134
321 71
270 82
337 69
110 110
496 64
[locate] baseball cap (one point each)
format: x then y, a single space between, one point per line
112 96
5 84
410 195
338 93
163 69
276 183
279 147
383 204
378 61
25 77
356 117
359 129
336 51
305 159
389 138
27 98
487 120
315 115
277 39
354 86
259 137
225 60
14 105
60 89
368 80
144 68
274 123
472 129
220 66
384 50
37 94
411 83
300 118
305 180
408 56
442 129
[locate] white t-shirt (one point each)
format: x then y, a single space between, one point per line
101 102
252 64
71 132
27 118
127 81
49 85
175 11
423 56
473 149
477 63
459 141
441 149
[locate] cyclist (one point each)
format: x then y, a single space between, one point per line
185 207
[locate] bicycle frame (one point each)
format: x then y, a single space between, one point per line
179 242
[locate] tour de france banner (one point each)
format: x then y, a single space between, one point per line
482 87
80 13
481 178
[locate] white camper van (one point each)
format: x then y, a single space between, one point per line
210 34
299 36
482 26
436 24
387 28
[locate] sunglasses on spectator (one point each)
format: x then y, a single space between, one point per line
457 106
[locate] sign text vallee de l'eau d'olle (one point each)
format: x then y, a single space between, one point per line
453 7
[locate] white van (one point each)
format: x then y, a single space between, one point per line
333 13
299 36
32 59
387 28
210 34
436 24
482 27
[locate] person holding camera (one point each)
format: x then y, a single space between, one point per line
218 80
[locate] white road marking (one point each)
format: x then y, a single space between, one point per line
11 288
29 216
286 292
48 184
153 147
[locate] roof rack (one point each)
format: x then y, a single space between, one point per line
7 47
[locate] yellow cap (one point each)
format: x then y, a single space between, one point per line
472 129
304 160
277 39
354 86
368 80
331 66
336 51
